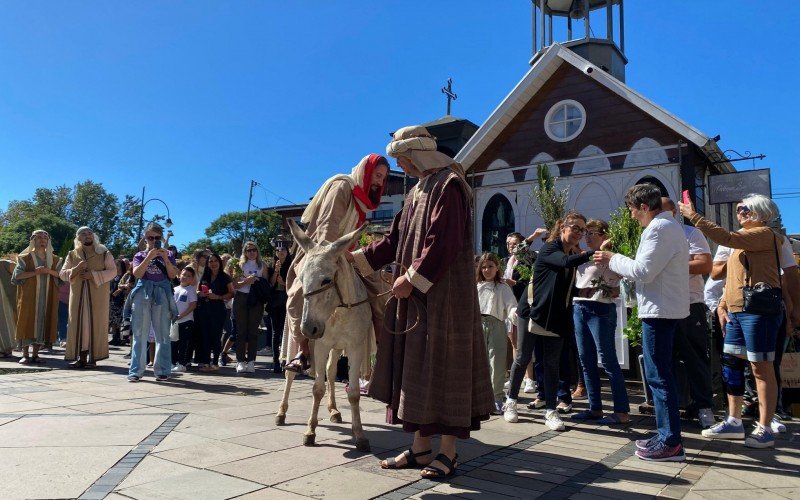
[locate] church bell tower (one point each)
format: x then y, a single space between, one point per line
589 28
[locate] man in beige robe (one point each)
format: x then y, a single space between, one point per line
89 268
340 206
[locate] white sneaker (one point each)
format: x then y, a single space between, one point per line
251 367
553 421
510 414
777 426
178 368
507 385
241 367
529 387
706 417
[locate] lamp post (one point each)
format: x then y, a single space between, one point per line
167 223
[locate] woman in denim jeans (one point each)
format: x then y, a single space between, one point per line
748 336
595 318
152 303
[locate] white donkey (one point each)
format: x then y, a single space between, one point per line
336 316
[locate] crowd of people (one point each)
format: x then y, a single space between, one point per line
556 308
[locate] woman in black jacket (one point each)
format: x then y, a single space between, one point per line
546 311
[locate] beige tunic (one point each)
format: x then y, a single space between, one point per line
88 303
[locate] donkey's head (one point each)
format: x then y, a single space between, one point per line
318 274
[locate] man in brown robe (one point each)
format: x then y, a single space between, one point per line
89 269
435 377
340 206
36 277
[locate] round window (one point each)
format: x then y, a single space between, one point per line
565 120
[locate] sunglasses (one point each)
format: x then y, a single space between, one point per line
251 250
577 229
742 209
154 238
593 233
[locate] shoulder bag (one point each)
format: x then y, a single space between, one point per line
762 298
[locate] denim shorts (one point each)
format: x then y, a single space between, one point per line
752 334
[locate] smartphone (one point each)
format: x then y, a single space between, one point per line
685 196
157 244
204 288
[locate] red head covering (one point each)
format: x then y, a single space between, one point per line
366 200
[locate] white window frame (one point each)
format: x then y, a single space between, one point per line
556 107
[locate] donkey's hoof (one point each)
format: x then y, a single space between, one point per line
280 419
308 439
362 444
336 418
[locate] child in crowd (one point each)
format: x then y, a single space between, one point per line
186 300
497 304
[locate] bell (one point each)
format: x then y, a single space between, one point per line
576 11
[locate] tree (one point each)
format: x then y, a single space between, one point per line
227 230
94 207
200 244
547 201
15 236
54 201
125 239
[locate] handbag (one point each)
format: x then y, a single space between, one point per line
762 298
174 332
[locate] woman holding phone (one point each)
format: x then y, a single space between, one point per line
151 303
248 315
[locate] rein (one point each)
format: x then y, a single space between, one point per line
418 305
334 284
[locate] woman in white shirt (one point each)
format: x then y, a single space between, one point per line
248 316
497 304
595 317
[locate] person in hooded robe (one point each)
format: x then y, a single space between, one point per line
89 269
8 309
435 376
37 280
340 206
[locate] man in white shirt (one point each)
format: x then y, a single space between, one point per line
691 337
662 289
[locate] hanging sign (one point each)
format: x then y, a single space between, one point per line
730 188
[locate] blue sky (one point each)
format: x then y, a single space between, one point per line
195 98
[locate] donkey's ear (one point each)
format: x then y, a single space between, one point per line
348 240
300 236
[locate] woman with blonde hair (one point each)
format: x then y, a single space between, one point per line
248 310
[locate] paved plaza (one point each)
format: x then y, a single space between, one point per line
92 434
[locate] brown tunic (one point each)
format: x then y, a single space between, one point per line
435 378
28 301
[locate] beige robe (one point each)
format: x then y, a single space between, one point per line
89 302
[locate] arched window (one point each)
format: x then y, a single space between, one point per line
498 221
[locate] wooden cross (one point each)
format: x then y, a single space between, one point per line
448 91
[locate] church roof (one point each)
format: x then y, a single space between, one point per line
542 69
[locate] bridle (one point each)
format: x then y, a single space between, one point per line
335 285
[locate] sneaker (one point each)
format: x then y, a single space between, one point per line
213 368
149 365
264 352
510 414
643 444
161 378
133 378
706 417
25 360
761 437
777 426
725 430
498 408
241 367
251 367
529 387
564 407
507 385
553 421
537 404
179 368
660 452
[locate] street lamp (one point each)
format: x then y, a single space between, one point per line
167 223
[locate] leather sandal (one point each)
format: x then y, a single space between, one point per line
77 365
298 364
437 472
411 460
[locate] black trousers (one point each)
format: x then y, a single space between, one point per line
692 346
277 316
211 319
180 348
551 360
248 319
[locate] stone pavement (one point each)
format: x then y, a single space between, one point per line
92 434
